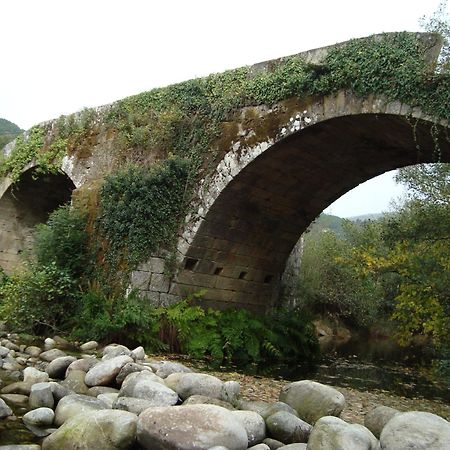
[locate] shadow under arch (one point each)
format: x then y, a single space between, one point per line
239 251
25 204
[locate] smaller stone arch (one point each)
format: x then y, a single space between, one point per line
25 204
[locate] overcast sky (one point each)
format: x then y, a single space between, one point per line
59 56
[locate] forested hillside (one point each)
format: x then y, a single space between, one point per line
8 131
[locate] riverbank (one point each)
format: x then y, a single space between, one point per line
358 403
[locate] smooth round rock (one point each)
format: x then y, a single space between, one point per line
416 430
5 410
113 350
89 346
330 432
253 424
71 405
40 417
33 376
197 427
187 384
57 367
376 419
106 371
99 430
41 396
52 354
313 400
288 428
167 368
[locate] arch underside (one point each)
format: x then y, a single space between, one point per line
240 250
23 206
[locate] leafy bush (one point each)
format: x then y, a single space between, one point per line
40 299
140 209
129 320
63 241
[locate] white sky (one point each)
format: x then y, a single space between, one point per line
59 56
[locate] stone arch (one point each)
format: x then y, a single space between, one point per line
25 204
278 174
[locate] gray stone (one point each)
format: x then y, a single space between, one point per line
18 387
138 353
203 400
60 391
273 444
257 406
376 419
84 364
71 405
33 351
187 384
75 382
259 447
89 346
130 368
40 417
4 351
313 400
106 371
41 396
57 367
15 399
296 446
167 368
275 407
113 350
288 428
131 404
230 391
332 433
52 354
253 424
5 410
109 399
21 447
416 430
99 430
33 376
197 427
97 390
49 343
142 385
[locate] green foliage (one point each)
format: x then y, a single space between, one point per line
38 300
126 319
237 335
30 148
8 131
140 209
63 241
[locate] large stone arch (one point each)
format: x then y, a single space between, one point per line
23 205
284 165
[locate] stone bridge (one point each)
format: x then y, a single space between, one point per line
278 166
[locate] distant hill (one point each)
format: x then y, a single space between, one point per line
8 131
363 217
327 222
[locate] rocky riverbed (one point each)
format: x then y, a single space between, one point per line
120 398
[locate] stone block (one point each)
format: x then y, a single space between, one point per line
159 282
140 279
154 265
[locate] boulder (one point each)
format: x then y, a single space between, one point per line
99 430
330 432
197 427
74 404
60 391
52 354
41 396
113 350
33 376
138 353
273 444
33 351
84 364
376 419
109 399
251 405
106 371
130 368
4 351
40 417
167 368
15 399
57 367
142 385
187 384
75 382
253 424
313 400
287 428
276 407
131 404
18 387
259 447
5 410
203 400
89 346
416 430
296 446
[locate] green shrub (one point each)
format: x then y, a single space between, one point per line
40 299
63 241
129 320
